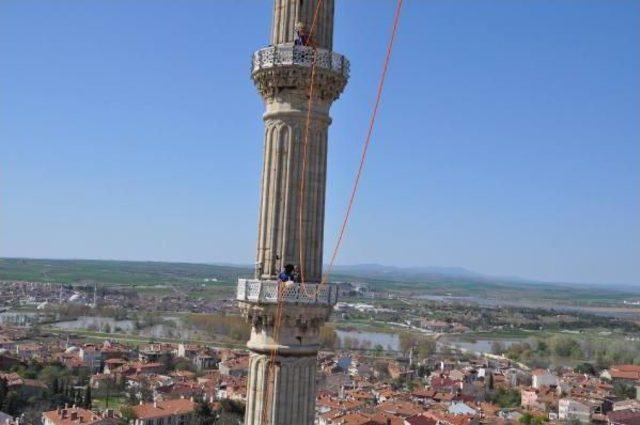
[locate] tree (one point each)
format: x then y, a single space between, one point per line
489 379
506 398
497 347
127 415
4 390
12 403
378 349
423 371
86 401
585 367
624 390
526 418
529 419
204 414
564 346
422 345
542 348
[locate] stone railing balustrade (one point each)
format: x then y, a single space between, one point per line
266 292
289 54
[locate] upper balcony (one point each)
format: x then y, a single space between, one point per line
266 292
290 55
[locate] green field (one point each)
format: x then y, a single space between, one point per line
115 272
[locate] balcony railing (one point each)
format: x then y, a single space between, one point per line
266 292
289 54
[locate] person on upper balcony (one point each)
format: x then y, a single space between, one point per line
302 36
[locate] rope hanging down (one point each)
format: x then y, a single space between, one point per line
367 142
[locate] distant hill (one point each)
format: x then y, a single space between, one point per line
461 282
381 271
414 281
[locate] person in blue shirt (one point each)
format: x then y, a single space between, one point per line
285 275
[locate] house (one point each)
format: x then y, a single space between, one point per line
460 408
168 412
444 384
356 418
573 409
156 353
382 418
102 380
448 419
419 420
91 357
77 416
30 351
7 361
112 350
626 405
624 417
237 366
148 368
622 373
542 377
5 419
204 361
400 408
434 325
396 370
187 350
231 387
6 343
457 375
110 365
530 398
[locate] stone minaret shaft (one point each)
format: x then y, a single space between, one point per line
287 14
284 347
285 90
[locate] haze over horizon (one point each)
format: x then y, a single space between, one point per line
357 269
506 144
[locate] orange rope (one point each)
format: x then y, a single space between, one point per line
367 142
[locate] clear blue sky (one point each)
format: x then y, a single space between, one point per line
508 140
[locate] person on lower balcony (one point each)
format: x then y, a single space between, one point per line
286 274
297 274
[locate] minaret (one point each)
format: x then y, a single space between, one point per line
284 347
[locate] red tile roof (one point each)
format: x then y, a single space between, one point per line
165 408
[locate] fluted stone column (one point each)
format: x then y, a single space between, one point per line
292 391
282 368
283 75
286 320
287 13
280 207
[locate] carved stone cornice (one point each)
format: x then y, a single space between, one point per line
302 318
270 82
288 67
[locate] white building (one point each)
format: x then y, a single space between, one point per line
541 378
570 409
91 356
